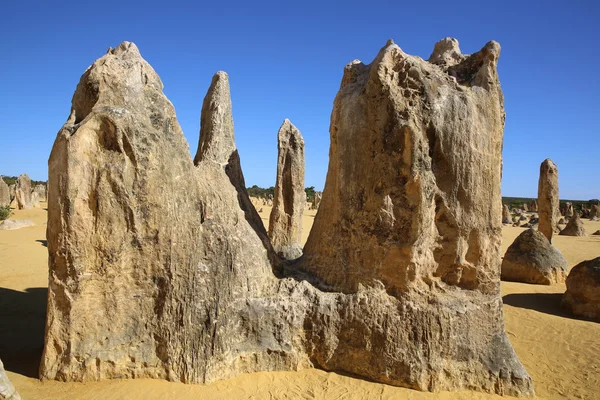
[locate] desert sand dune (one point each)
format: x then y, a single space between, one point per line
559 351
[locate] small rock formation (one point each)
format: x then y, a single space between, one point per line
40 189
597 233
4 193
524 207
568 210
160 267
532 259
594 211
7 390
533 206
12 191
548 201
12 224
506 216
23 192
582 297
574 227
285 222
317 202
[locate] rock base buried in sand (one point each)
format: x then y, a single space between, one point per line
11 224
574 227
582 297
532 259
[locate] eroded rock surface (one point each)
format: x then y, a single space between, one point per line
285 222
40 189
574 227
7 390
161 267
532 259
548 200
412 204
582 297
12 224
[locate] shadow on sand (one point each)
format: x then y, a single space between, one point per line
22 324
548 303
43 242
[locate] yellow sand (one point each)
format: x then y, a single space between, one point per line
562 354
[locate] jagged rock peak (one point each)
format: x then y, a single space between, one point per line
446 52
217 141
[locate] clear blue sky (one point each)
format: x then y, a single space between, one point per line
286 61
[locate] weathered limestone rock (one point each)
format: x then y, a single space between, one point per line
23 192
506 215
318 198
7 390
568 210
161 267
574 227
548 201
285 222
582 297
595 211
524 207
12 190
4 193
532 259
40 189
12 224
533 206
412 205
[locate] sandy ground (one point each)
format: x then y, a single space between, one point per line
560 353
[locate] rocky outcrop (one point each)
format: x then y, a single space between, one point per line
7 390
568 210
548 200
574 227
582 297
532 259
285 222
506 215
406 208
597 233
4 193
23 192
160 266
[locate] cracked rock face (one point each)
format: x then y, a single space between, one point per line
548 200
160 266
285 221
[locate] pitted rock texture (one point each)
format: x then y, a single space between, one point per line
532 259
582 297
285 221
548 200
574 227
4 193
412 204
160 266
7 390
23 192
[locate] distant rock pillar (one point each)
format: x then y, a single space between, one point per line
548 200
